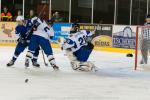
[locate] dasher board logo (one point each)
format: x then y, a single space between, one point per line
7 32
103 36
61 30
102 41
124 38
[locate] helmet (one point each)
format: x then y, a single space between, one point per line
51 21
75 28
76 25
19 18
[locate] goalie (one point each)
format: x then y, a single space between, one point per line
78 48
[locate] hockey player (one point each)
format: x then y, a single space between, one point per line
41 37
29 28
78 48
22 42
145 41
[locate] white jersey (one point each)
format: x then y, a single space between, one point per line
77 40
43 29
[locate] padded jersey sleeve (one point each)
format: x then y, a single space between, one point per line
68 44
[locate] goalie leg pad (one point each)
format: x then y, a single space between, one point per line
70 55
87 66
82 66
75 65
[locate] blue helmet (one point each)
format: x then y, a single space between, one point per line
51 21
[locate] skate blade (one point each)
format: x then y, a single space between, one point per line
36 67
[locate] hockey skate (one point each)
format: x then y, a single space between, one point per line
56 68
35 64
11 63
52 62
27 63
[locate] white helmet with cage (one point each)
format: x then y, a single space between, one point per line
19 18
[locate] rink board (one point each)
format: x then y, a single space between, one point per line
120 50
106 38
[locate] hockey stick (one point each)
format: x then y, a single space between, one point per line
44 59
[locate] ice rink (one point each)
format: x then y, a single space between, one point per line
116 79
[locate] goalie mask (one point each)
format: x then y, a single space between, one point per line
75 28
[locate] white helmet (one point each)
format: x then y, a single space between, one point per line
19 18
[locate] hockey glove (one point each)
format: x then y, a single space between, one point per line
21 40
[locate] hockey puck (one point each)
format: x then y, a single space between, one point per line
129 55
26 80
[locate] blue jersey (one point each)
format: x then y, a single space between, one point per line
21 31
28 24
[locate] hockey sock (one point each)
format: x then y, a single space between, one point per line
29 55
51 59
34 59
14 58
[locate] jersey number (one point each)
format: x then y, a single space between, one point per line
82 40
46 29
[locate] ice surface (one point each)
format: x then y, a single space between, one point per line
116 79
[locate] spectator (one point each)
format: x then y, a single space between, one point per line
19 13
6 15
31 14
101 21
56 17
